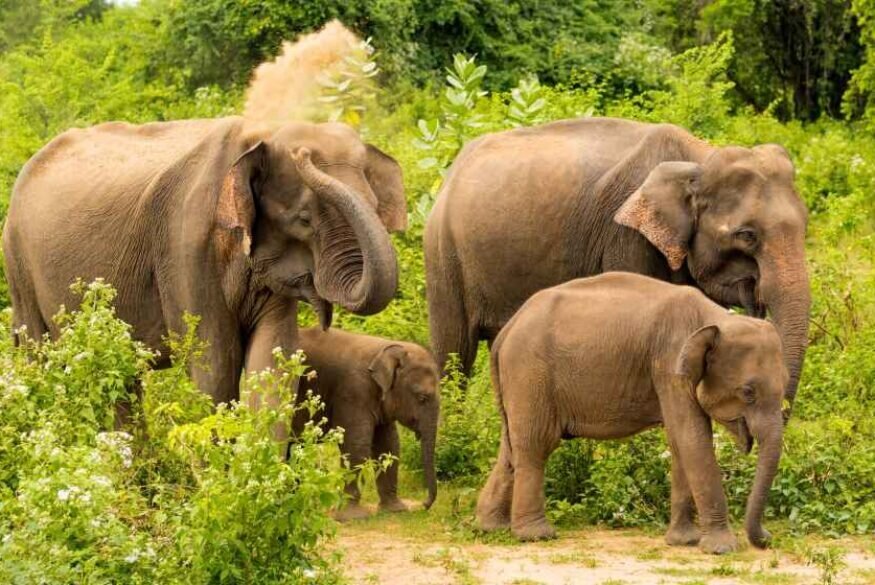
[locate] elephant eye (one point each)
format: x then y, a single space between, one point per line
746 235
304 217
749 393
422 397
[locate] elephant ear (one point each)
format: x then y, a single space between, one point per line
693 360
384 175
382 367
235 210
660 209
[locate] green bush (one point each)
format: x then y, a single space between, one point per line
202 497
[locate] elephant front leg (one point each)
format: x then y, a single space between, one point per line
682 530
357 446
530 445
494 503
690 436
386 441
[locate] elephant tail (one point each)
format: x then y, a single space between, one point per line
495 374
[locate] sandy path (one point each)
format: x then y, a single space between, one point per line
376 555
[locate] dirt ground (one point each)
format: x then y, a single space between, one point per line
421 548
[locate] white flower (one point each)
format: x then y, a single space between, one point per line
665 454
102 481
132 557
7 538
309 574
64 495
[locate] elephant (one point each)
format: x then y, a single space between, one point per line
530 208
227 219
609 356
367 383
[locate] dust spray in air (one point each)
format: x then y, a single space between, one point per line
290 87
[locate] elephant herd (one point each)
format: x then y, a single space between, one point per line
237 222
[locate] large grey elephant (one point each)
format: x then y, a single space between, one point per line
530 208
609 356
221 218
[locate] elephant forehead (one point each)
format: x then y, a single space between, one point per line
329 142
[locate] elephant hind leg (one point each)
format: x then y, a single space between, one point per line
25 307
452 330
494 503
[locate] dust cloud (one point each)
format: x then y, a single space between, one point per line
288 88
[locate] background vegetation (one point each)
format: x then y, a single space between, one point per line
81 505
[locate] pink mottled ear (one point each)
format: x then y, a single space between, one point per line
235 209
660 209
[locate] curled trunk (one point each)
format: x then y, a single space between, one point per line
356 266
770 440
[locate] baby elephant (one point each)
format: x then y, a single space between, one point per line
609 356
367 384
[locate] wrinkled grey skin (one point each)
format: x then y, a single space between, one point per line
609 356
367 383
528 209
220 218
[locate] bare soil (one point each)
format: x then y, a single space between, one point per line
399 550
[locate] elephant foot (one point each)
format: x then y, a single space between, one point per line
760 539
395 505
490 522
537 530
492 516
719 542
686 534
351 511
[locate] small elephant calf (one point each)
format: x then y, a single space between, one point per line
610 356
367 383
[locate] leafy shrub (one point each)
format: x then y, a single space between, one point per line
201 497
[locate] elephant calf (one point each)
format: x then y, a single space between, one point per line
609 356
367 383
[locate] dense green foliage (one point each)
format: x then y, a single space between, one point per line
183 504
203 498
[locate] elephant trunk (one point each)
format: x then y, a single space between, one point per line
785 292
769 436
428 432
356 266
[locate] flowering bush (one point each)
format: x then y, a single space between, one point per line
201 497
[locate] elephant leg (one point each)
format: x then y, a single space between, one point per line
494 503
682 529
124 408
276 326
386 441
357 445
531 442
690 436
25 307
451 328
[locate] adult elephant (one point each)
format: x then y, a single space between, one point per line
527 209
221 218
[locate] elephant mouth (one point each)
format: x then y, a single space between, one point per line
742 435
748 296
302 286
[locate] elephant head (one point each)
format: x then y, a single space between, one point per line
308 207
736 372
739 225
409 379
